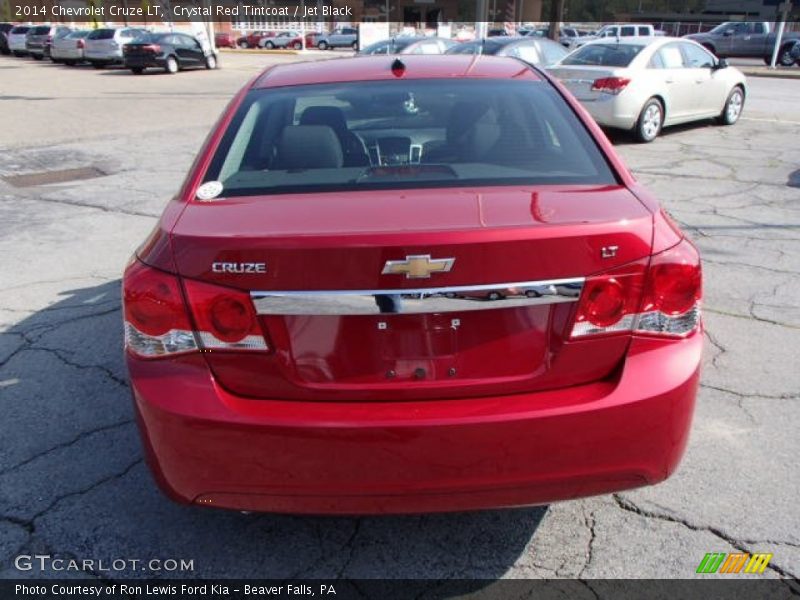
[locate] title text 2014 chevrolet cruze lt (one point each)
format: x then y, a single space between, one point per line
426 285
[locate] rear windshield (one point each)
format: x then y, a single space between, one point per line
79 34
40 30
101 34
404 134
605 55
22 29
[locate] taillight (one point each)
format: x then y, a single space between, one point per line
674 289
610 85
80 44
662 300
156 322
153 48
609 302
225 317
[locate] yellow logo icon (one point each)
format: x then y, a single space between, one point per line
418 266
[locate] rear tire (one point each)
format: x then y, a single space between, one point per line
355 46
211 62
298 46
733 107
69 63
98 65
785 58
137 70
269 46
243 45
650 121
322 45
171 65
37 56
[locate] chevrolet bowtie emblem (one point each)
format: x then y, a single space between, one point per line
419 266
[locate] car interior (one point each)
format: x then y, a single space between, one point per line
384 134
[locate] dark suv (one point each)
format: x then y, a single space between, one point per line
40 37
4 29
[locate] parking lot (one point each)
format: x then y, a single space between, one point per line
72 480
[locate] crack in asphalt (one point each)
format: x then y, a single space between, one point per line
100 207
741 545
81 436
750 395
349 545
590 522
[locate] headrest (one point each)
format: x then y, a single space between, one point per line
331 116
308 147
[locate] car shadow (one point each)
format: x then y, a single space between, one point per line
620 137
73 478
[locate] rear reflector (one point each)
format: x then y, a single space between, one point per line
157 322
610 85
664 300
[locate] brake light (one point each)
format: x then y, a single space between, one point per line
155 48
663 299
609 302
225 317
671 303
80 44
156 322
610 85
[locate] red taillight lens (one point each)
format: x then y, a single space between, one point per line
225 317
156 322
80 44
663 299
609 302
610 85
605 303
675 282
155 48
671 304
153 300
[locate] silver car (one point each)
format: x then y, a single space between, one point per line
343 37
645 83
40 37
103 47
282 40
16 40
69 49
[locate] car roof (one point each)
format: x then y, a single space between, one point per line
379 67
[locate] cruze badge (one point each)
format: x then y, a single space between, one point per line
238 267
418 266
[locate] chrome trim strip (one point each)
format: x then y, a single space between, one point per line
418 301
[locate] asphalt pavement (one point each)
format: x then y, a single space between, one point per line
72 481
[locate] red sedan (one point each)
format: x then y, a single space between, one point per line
393 287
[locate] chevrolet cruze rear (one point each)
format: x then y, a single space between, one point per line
410 286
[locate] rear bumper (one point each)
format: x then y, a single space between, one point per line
208 447
608 110
107 58
143 62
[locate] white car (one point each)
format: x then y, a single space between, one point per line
103 47
16 40
644 84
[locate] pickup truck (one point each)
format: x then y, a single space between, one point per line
753 39
615 31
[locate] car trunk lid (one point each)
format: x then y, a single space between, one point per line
341 324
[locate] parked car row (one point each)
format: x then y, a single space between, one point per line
134 48
342 37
